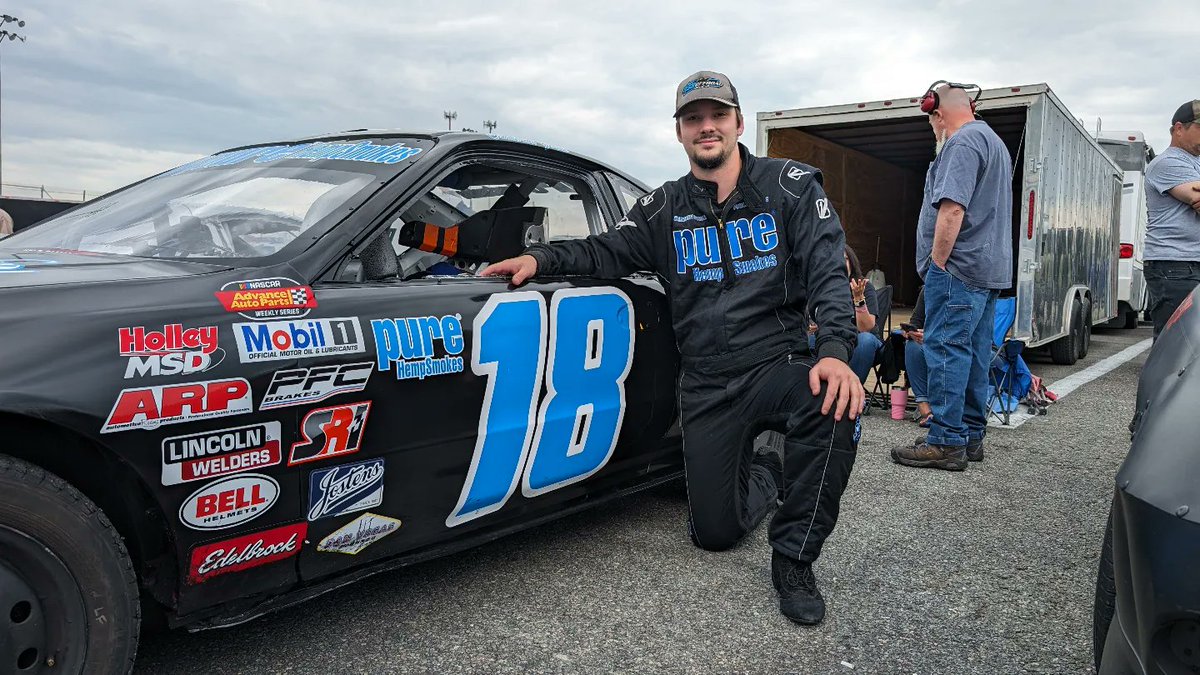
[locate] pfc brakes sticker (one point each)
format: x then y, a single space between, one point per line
311 385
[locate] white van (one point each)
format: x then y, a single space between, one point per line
1130 151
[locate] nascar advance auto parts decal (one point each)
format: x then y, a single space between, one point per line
251 550
310 385
330 432
573 433
262 299
151 407
174 350
358 534
345 489
218 453
276 340
229 502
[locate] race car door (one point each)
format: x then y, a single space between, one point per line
487 407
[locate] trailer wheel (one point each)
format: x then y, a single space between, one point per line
1085 333
1065 350
68 593
1131 318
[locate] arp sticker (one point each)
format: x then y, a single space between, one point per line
229 502
152 407
358 534
330 432
345 489
220 453
242 553
262 299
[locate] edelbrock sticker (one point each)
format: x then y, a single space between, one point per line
358 534
229 502
241 553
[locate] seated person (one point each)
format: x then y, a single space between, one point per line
915 368
866 309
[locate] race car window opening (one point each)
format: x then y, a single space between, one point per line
567 205
227 214
628 192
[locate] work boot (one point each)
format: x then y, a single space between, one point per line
770 459
799 598
974 448
922 454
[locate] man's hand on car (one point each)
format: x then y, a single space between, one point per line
843 387
520 268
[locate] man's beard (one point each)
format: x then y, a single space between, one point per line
941 141
710 163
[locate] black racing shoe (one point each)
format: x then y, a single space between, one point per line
799 598
770 459
974 449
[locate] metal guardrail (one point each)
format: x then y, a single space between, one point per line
43 192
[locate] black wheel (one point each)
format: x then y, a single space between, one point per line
1085 328
1131 319
1106 595
1065 350
68 593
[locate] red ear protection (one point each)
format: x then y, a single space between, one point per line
931 100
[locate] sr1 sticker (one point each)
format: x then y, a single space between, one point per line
419 347
277 340
241 553
261 299
151 407
311 385
345 489
330 432
358 534
229 502
173 350
583 354
218 453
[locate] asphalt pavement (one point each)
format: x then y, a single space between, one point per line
987 571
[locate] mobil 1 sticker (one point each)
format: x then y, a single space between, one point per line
279 340
220 453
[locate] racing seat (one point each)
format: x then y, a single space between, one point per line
487 236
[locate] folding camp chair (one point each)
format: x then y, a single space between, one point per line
883 330
1003 369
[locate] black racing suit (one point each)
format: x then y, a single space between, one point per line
739 277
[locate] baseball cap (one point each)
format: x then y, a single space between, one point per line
1188 112
705 85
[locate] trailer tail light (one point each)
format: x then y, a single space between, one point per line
1126 251
1029 231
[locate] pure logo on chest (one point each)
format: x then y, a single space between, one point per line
752 242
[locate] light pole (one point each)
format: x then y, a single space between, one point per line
490 124
450 116
5 19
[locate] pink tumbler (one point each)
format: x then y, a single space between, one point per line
899 401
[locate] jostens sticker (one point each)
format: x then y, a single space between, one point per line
345 489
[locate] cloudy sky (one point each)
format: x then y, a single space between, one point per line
102 94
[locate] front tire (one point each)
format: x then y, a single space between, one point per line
68 592
1106 596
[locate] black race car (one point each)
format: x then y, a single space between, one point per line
261 375
1147 610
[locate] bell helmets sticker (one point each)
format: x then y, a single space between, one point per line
229 502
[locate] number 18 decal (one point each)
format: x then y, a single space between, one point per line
583 355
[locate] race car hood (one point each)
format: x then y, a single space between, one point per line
47 267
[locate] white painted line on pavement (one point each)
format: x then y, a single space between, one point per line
1076 380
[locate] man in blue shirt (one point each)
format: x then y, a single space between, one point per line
1173 205
964 254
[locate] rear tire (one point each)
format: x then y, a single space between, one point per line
1085 333
1065 350
68 593
1106 596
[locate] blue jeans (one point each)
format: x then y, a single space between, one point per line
917 371
863 356
958 350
